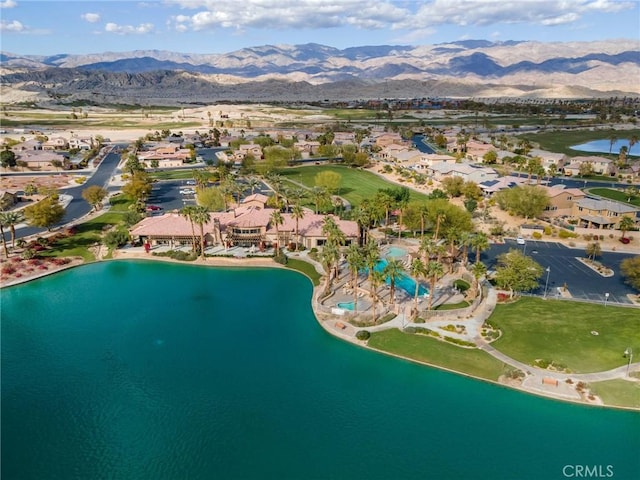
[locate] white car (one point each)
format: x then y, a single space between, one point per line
520 241
187 191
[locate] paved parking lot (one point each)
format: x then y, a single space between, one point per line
581 281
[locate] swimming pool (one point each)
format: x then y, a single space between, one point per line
350 305
395 252
403 281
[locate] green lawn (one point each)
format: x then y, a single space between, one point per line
618 392
356 186
426 349
306 268
182 174
615 195
561 141
560 331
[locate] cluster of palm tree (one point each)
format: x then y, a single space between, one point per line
197 215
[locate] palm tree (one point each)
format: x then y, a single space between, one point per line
480 243
4 240
376 278
277 220
319 196
418 271
329 257
427 247
632 141
201 216
371 259
355 260
188 212
439 219
593 250
613 138
297 213
434 270
626 224
11 219
362 217
253 183
466 240
478 270
392 270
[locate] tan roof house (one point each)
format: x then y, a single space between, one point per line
602 214
386 139
600 165
56 143
7 199
81 143
39 159
561 200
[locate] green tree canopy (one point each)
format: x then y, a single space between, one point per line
517 272
138 188
527 201
94 195
329 180
212 198
45 213
630 268
7 158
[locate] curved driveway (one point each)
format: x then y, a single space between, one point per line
79 207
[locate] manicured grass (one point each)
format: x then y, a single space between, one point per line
619 392
426 349
452 306
561 141
356 186
306 268
616 195
182 174
560 331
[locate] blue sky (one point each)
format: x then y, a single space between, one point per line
217 26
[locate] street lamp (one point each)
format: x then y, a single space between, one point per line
606 297
628 353
547 282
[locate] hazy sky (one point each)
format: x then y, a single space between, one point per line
215 26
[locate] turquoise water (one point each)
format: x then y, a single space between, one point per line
350 305
403 281
603 146
396 252
128 370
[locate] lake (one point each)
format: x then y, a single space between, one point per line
148 370
603 146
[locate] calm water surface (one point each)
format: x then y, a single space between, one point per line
126 370
603 146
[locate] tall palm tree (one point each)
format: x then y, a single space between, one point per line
319 196
329 257
478 270
356 262
632 141
439 219
466 240
418 270
253 183
4 240
626 224
392 270
297 213
11 219
613 138
362 217
188 212
434 270
277 220
376 278
480 243
201 216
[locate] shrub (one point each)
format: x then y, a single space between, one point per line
567 234
461 285
363 335
8 269
547 230
537 235
281 258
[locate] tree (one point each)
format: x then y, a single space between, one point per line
630 268
517 272
632 141
478 270
418 270
133 165
7 158
138 188
11 219
626 224
329 257
453 186
329 180
480 242
320 197
613 138
593 250
392 271
528 201
277 220
116 238
188 212
585 169
94 195
434 270
253 183
376 278
212 198
490 158
297 213
45 213
356 262
201 216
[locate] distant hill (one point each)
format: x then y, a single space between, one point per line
311 71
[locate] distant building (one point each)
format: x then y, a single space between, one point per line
602 214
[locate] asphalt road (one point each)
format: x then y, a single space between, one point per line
581 280
78 206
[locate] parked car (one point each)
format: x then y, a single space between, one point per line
153 208
625 240
520 241
187 191
190 182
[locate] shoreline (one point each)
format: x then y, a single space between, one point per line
267 262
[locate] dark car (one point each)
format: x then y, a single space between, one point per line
153 208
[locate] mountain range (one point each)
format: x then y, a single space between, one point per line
470 68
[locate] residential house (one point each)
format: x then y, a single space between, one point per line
477 150
81 143
344 138
602 214
248 225
489 187
309 147
600 165
428 159
7 199
167 156
41 160
547 159
56 143
561 200
32 144
386 139
466 171
390 152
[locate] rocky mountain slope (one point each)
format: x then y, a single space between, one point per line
473 68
